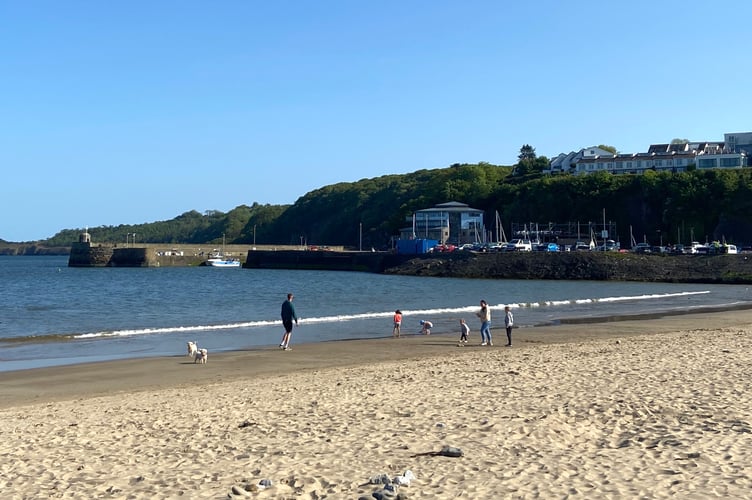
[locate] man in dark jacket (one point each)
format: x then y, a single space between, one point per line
288 315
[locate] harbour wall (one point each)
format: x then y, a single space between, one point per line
87 254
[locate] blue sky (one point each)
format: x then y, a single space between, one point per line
131 112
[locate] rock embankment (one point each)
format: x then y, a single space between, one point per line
731 269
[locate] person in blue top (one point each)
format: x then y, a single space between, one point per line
288 316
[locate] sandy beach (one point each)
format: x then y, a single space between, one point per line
631 409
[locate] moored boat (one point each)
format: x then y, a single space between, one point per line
217 259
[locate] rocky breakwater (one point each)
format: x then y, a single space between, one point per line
731 269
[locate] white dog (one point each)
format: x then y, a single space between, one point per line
192 348
201 356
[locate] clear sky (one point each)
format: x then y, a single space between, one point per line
137 111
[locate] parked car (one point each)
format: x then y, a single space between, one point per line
518 245
677 249
695 246
448 247
609 246
641 248
581 246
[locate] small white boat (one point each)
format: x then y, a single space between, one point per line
219 260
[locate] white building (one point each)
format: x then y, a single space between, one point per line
740 142
565 162
672 157
446 222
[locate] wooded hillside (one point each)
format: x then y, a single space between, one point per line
710 204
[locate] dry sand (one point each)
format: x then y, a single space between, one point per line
633 409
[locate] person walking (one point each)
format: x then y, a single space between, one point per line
508 323
485 323
464 331
397 323
288 316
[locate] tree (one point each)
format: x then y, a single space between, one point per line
608 148
527 158
527 152
679 141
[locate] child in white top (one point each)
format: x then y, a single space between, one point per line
464 330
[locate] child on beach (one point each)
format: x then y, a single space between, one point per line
397 323
426 327
508 324
464 330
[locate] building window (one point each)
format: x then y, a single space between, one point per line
706 163
731 162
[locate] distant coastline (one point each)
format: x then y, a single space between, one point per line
32 249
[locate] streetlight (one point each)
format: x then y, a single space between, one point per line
254 234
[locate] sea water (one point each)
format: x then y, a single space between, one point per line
51 314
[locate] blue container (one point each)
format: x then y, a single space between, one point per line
412 247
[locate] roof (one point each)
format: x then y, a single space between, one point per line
451 206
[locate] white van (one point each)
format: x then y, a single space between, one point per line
518 245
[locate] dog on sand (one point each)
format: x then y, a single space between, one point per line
192 348
201 356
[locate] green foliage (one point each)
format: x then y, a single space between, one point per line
712 203
335 214
529 163
608 148
189 227
527 152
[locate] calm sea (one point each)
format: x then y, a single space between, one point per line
51 314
